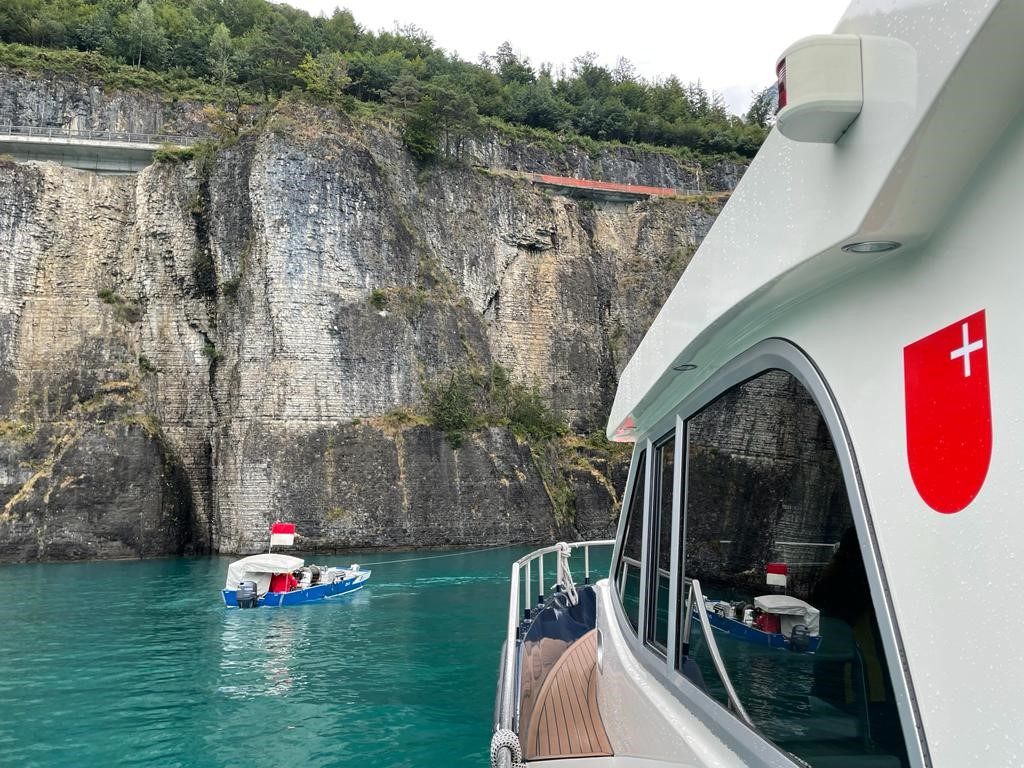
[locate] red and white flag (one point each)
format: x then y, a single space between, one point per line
949 413
776 574
282 534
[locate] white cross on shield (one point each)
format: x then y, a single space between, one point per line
949 413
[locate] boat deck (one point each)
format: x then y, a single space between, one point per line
564 720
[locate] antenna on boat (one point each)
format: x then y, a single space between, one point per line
282 534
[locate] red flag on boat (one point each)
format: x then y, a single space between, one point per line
282 534
949 414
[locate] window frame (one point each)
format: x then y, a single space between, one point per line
653 539
640 450
769 354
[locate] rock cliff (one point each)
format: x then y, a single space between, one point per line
191 352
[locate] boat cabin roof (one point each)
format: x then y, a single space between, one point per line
787 605
779 239
267 562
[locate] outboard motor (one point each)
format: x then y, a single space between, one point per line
314 574
246 595
799 638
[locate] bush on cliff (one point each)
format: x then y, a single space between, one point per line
473 398
452 407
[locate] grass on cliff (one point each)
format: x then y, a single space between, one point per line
472 398
14 429
467 399
124 310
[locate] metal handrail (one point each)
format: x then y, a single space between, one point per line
508 700
53 132
697 597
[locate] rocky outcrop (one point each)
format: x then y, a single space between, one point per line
623 164
90 488
364 486
239 330
58 101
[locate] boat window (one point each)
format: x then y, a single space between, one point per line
627 574
660 545
768 531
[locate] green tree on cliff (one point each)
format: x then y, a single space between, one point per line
511 68
325 75
439 124
144 35
222 51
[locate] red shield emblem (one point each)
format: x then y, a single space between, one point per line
949 416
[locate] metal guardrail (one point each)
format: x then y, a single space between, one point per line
507 700
695 606
54 132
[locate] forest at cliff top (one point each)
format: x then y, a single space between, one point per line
247 49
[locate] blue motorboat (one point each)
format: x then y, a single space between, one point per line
272 579
275 580
775 621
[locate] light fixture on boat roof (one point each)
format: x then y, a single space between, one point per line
681 367
872 246
820 87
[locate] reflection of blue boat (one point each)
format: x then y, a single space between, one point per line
781 622
277 580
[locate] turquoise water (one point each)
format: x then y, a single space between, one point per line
139 664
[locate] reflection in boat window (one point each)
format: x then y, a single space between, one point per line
627 572
769 533
661 544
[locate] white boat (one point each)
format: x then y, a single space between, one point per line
833 385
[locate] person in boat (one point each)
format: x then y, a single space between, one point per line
767 622
283 582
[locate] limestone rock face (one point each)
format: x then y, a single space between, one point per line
86 489
360 486
62 102
626 165
192 352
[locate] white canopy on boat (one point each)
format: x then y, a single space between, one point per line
259 568
792 611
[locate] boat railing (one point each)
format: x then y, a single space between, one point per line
627 563
695 598
522 580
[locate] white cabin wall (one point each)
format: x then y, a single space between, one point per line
955 579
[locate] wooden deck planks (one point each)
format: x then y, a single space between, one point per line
539 658
572 688
563 718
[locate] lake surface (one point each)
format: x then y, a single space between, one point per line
138 663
